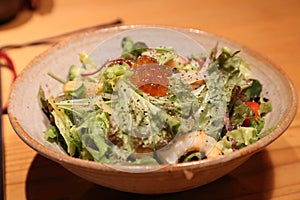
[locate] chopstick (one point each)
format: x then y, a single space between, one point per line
53 39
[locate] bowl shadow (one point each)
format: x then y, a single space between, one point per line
252 180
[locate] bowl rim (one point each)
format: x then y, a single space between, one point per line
65 159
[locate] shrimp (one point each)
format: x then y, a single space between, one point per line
189 142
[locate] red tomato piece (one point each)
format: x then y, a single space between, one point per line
255 108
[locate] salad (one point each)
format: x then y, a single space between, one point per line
152 106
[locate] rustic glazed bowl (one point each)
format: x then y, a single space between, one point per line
29 122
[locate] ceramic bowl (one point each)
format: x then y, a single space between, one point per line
29 122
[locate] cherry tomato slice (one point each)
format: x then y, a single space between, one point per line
255 108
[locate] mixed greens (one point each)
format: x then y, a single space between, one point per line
152 106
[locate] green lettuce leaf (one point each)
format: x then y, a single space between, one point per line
135 115
164 54
237 139
112 75
254 90
132 50
64 124
92 133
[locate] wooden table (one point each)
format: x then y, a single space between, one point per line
270 27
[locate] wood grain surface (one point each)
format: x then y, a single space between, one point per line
270 27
